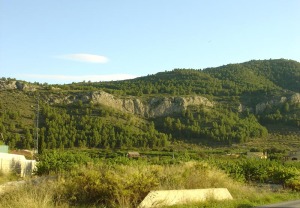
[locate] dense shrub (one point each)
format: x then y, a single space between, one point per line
124 183
101 184
265 171
60 161
120 185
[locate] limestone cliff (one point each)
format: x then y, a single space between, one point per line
152 107
15 85
8 85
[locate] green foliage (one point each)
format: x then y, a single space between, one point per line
107 185
232 79
16 119
216 125
285 113
122 182
53 162
125 185
82 124
96 127
264 171
293 183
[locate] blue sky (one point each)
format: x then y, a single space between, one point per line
64 41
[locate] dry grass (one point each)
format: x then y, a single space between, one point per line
32 196
103 185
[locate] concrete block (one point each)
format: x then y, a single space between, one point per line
16 163
172 197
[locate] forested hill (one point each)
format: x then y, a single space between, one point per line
272 74
228 104
229 80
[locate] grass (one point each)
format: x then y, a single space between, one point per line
7 177
125 184
257 199
30 195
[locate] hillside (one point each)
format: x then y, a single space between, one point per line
229 104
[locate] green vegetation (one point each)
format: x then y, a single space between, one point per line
262 171
94 126
236 90
83 144
233 79
77 179
214 126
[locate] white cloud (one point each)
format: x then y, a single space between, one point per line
64 79
84 57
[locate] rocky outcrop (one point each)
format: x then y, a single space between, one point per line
23 86
27 87
261 107
13 85
66 98
152 107
8 85
295 98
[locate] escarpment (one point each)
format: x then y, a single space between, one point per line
151 107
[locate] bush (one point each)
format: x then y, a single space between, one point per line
110 185
119 185
293 183
58 161
254 170
41 195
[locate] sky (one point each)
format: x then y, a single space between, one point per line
65 41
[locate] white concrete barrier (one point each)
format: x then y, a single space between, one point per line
16 163
172 197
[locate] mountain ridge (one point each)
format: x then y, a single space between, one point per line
227 104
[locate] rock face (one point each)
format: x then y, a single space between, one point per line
13 85
8 85
153 107
150 108
295 98
261 107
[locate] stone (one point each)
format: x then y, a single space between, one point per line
174 197
152 107
295 98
